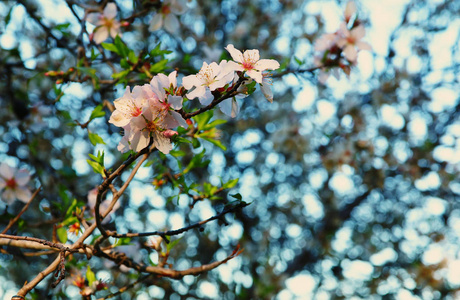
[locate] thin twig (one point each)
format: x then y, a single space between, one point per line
182 230
23 210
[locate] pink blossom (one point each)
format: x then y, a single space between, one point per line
105 23
249 61
167 16
351 40
13 182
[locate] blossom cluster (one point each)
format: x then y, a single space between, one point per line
346 40
152 111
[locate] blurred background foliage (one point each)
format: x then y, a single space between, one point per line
353 184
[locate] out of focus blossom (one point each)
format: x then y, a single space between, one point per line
13 184
350 11
350 40
37 113
105 23
167 16
92 197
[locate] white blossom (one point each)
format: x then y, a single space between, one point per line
209 78
249 61
167 16
13 182
105 23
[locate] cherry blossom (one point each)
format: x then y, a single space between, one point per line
149 112
129 106
169 96
167 16
350 11
13 183
351 40
209 78
249 61
105 23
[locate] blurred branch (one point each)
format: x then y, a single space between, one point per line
15 219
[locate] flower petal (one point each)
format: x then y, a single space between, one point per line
175 102
173 79
235 53
23 194
8 196
172 24
101 34
363 46
22 177
6 171
162 143
190 81
358 32
266 64
229 107
156 23
350 53
256 75
267 91
93 18
110 10
206 98
178 7
198 92
179 119
123 146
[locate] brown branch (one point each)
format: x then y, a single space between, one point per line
181 230
120 258
229 94
124 289
23 210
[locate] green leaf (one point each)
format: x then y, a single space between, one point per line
90 276
111 47
159 66
62 234
203 119
214 124
71 208
120 74
177 139
97 112
94 55
123 50
230 184
158 52
70 220
197 162
95 139
172 244
298 61
177 153
122 242
133 57
97 168
8 16
215 142
237 196
251 88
